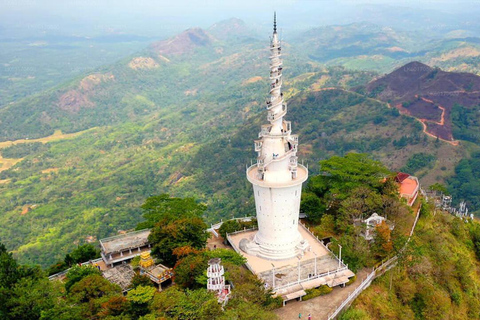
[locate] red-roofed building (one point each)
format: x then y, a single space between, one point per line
408 187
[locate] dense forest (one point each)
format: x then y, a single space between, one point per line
435 278
94 184
179 239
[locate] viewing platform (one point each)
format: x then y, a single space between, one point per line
291 277
301 176
266 130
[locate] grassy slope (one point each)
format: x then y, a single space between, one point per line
102 177
437 279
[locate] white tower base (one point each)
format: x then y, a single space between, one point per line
277 206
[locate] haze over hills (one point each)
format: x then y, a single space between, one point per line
179 117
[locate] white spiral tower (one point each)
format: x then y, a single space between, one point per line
276 177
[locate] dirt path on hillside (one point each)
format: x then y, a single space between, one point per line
57 135
424 121
320 307
7 163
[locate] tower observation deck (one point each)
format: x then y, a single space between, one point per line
277 176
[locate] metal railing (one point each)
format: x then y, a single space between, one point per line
320 275
365 284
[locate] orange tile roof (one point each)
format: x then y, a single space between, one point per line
408 186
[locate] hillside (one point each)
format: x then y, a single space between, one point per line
430 95
437 277
94 184
32 64
143 84
369 46
357 39
183 43
180 117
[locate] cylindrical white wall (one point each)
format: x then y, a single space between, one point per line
278 208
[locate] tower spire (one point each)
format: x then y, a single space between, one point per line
277 176
274 22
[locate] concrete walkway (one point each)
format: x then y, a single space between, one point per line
214 242
320 307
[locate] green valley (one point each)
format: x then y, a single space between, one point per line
178 117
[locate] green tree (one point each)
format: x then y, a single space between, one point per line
12 274
165 208
114 307
175 303
351 171
29 297
339 179
382 240
62 310
233 225
312 206
190 272
91 292
229 226
77 273
326 227
92 287
354 314
9 269
141 280
242 310
439 187
363 201
57 267
167 235
139 299
82 253
227 256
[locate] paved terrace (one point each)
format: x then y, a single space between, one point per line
121 275
289 274
319 266
260 265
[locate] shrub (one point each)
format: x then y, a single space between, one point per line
354 314
316 292
351 280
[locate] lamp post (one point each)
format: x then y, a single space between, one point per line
339 255
273 276
315 263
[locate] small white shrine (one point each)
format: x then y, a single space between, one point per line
370 224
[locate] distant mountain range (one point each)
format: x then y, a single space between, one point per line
181 115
